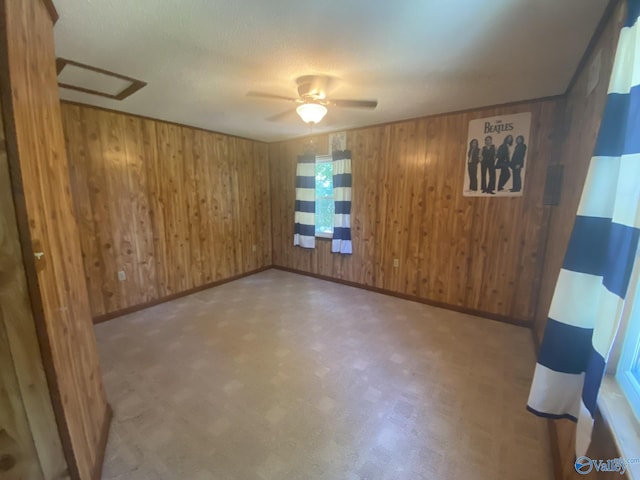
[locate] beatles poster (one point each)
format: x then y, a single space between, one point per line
496 156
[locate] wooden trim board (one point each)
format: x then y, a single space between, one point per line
102 445
168 298
413 298
474 109
124 93
608 11
556 462
51 8
143 117
136 308
433 115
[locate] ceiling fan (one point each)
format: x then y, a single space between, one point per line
312 97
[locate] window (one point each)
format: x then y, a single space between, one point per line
619 400
325 205
628 370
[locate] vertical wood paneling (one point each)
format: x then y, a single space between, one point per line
249 208
364 198
205 195
229 196
262 202
143 268
192 209
202 209
582 117
474 253
155 181
211 171
82 182
40 180
173 207
121 216
28 431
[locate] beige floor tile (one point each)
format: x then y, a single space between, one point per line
280 376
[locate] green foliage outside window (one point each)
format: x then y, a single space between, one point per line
325 206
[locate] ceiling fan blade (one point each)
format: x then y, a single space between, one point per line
271 96
354 103
282 116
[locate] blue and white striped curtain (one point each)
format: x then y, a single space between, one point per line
304 233
589 296
341 242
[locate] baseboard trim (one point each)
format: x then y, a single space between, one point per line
173 296
554 446
536 339
404 296
102 445
555 449
413 298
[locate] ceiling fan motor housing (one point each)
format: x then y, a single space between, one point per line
312 87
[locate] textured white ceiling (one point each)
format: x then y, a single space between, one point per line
416 57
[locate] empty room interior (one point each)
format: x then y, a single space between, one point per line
319 240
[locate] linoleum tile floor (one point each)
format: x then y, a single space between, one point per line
282 376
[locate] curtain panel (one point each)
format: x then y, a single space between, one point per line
304 232
342 180
589 297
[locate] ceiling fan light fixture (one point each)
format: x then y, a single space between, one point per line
311 112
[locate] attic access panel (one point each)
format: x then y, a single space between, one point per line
95 81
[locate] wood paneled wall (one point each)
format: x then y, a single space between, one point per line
28 431
581 122
44 210
173 207
476 254
582 118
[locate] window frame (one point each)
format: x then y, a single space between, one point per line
627 373
324 159
617 401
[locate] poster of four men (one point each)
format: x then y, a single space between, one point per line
496 155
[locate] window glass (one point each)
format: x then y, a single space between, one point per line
325 206
628 371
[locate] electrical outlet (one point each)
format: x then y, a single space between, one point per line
396 263
254 248
122 276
